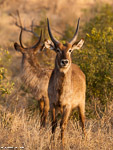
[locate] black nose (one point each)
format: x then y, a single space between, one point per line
64 62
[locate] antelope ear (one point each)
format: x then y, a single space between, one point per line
18 48
78 45
49 45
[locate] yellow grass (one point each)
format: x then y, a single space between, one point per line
20 128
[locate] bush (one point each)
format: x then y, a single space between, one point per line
5 85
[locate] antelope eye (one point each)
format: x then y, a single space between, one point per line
70 50
58 50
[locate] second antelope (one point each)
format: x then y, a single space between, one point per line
67 85
35 77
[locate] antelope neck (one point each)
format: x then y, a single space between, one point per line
63 79
31 63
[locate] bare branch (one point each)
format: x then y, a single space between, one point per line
30 29
42 26
18 23
18 14
25 29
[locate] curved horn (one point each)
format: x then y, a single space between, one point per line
20 38
38 42
50 34
76 34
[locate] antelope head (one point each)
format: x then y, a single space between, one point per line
29 53
63 51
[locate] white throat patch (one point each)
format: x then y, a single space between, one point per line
63 69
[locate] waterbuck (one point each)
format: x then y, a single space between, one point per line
67 85
34 76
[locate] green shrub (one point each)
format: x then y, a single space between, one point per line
5 85
68 33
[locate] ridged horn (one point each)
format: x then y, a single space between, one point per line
50 34
20 38
33 47
76 34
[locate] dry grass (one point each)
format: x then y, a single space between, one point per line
19 116
19 127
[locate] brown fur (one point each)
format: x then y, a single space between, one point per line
35 77
67 87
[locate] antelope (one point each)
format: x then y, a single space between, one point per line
34 76
67 85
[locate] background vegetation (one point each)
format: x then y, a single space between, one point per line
19 115
5 85
96 60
